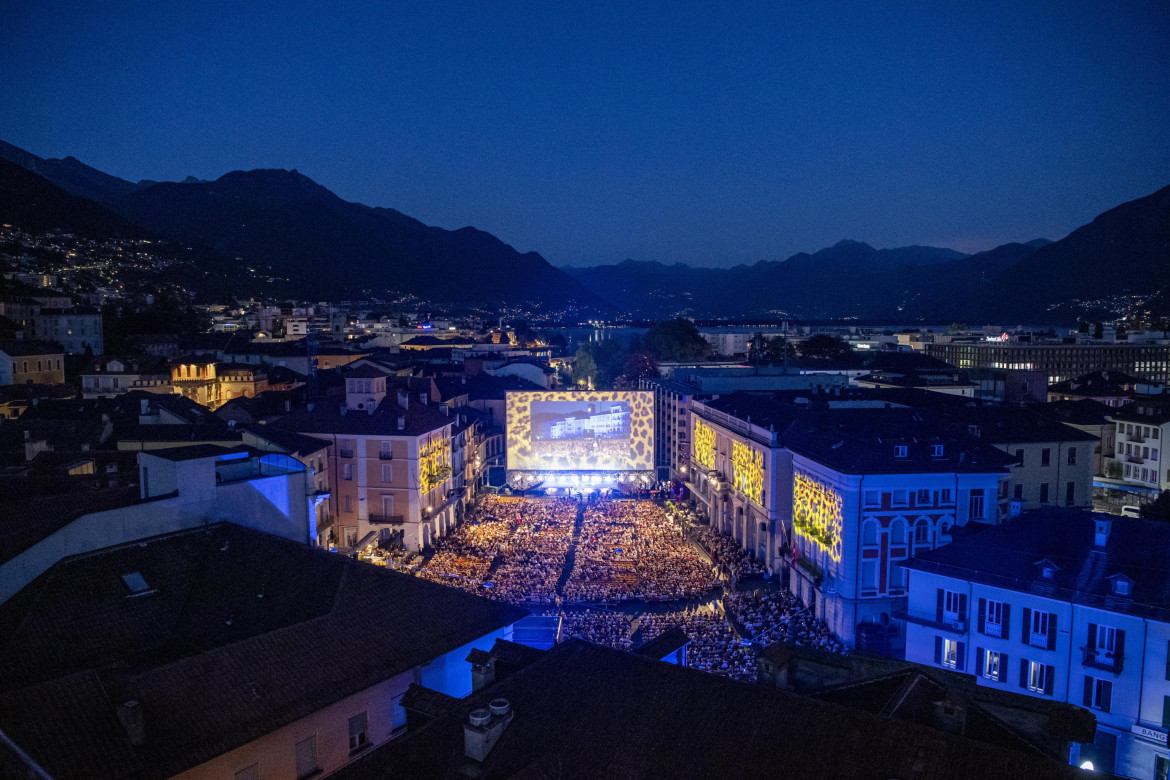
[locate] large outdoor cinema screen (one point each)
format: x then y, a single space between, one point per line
575 431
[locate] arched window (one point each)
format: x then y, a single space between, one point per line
898 531
921 534
869 532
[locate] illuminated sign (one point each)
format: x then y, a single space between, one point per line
816 513
575 431
434 462
704 444
747 471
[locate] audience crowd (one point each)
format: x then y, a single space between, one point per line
777 616
727 553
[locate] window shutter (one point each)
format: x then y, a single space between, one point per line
1052 631
938 648
962 665
938 612
1088 700
963 607
1166 712
980 661
1006 631
1091 644
1049 674
982 614
1027 625
1024 673
1106 694
1003 667
1119 648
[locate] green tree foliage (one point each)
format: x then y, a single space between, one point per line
640 365
1158 509
584 368
822 346
676 339
778 349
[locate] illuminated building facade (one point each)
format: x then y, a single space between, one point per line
1059 362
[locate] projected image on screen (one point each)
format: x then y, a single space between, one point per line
561 431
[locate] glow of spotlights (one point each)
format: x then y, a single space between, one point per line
1087 765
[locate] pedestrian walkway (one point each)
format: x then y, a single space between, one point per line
571 555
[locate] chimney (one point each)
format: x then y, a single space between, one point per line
131 718
484 727
1101 528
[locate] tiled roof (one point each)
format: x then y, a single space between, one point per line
242 634
1006 556
1147 410
1097 383
289 441
327 416
28 519
1015 424
586 711
26 347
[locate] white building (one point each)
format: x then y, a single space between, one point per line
1061 604
1141 461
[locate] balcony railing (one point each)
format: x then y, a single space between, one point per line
385 456
1098 659
387 519
957 626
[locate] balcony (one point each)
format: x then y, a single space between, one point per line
956 626
387 519
1098 659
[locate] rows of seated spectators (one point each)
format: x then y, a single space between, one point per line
778 616
726 552
629 550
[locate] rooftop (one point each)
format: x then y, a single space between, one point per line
240 633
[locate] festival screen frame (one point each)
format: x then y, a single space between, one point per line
574 431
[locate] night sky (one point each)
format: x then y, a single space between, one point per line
709 133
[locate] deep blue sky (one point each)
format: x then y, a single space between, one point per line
709 133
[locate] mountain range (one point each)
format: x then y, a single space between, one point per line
317 246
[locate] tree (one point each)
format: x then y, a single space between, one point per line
1158 509
584 369
1098 330
822 346
676 339
779 349
640 365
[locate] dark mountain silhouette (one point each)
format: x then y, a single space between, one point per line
287 222
1124 252
32 203
310 243
70 174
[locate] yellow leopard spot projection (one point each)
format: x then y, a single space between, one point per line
704 444
525 453
816 513
434 462
747 471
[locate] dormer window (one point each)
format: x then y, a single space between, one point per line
1121 585
936 450
901 451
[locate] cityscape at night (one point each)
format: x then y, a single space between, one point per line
536 390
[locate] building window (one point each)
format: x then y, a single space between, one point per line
347 471
307 758
1103 640
994 619
901 451
950 653
357 732
869 578
1045 457
387 472
348 503
1072 456
975 506
869 533
1038 677
952 606
901 498
936 450
1039 628
944 496
1070 493
1019 457
873 498
249 773
1018 492
921 534
1098 693
922 498
1043 492
991 666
